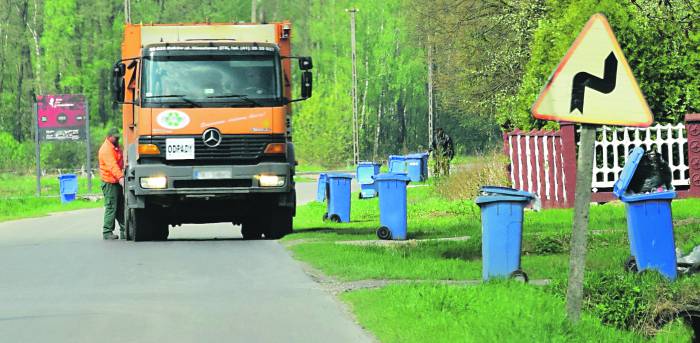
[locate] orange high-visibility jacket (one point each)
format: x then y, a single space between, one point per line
111 162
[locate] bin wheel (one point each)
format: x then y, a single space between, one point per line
631 265
325 216
359 196
384 233
519 276
335 218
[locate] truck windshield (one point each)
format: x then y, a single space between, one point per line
211 81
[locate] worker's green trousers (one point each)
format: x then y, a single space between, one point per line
114 206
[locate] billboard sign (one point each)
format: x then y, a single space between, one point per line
61 117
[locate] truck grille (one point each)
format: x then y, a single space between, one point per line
233 148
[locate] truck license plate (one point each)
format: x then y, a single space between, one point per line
179 149
211 173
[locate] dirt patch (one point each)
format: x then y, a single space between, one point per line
335 286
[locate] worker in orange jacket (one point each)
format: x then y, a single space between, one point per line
112 175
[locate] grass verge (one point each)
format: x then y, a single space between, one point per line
18 200
483 313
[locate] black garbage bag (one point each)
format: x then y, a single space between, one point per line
652 174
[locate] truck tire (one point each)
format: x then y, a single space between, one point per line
127 218
279 225
249 230
160 231
140 225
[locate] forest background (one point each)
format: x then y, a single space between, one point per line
490 60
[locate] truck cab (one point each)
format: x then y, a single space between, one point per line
206 125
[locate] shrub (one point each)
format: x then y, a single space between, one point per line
464 182
639 302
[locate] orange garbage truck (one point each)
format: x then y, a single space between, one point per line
206 126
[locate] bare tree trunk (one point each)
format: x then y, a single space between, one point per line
364 95
24 55
401 116
379 125
127 11
37 50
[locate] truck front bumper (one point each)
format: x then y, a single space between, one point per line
188 180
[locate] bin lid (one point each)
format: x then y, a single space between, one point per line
368 163
340 176
485 199
67 176
397 157
627 173
414 156
391 177
498 190
665 195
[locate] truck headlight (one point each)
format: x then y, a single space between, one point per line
154 182
271 180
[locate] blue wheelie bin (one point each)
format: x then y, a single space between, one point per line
424 165
649 223
322 187
392 205
414 167
365 177
68 187
501 230
397 164
338 200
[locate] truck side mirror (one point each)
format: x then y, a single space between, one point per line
305 63
118 73
306 84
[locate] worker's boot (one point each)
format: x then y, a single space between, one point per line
109 236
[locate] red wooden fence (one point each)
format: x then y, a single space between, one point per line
544 163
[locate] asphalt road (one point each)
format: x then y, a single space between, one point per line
59 282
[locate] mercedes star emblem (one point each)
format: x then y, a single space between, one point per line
211 138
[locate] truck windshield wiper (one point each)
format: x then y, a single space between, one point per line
185 99
239 96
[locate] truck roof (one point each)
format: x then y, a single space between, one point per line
138 36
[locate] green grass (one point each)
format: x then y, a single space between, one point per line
545 248
299 179
545 239
18 200
314 167
483 313
25 185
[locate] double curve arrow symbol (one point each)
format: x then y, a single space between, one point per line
583 80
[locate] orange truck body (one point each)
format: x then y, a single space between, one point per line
206 126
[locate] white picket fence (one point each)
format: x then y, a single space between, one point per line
613 144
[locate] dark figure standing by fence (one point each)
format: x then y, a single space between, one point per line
443 151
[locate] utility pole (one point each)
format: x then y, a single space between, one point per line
355 129
430 95
127 11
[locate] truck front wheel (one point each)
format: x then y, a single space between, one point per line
249 229
279 225
139 225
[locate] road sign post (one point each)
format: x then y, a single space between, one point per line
592 85
579 234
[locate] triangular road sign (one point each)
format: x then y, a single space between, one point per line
593 83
